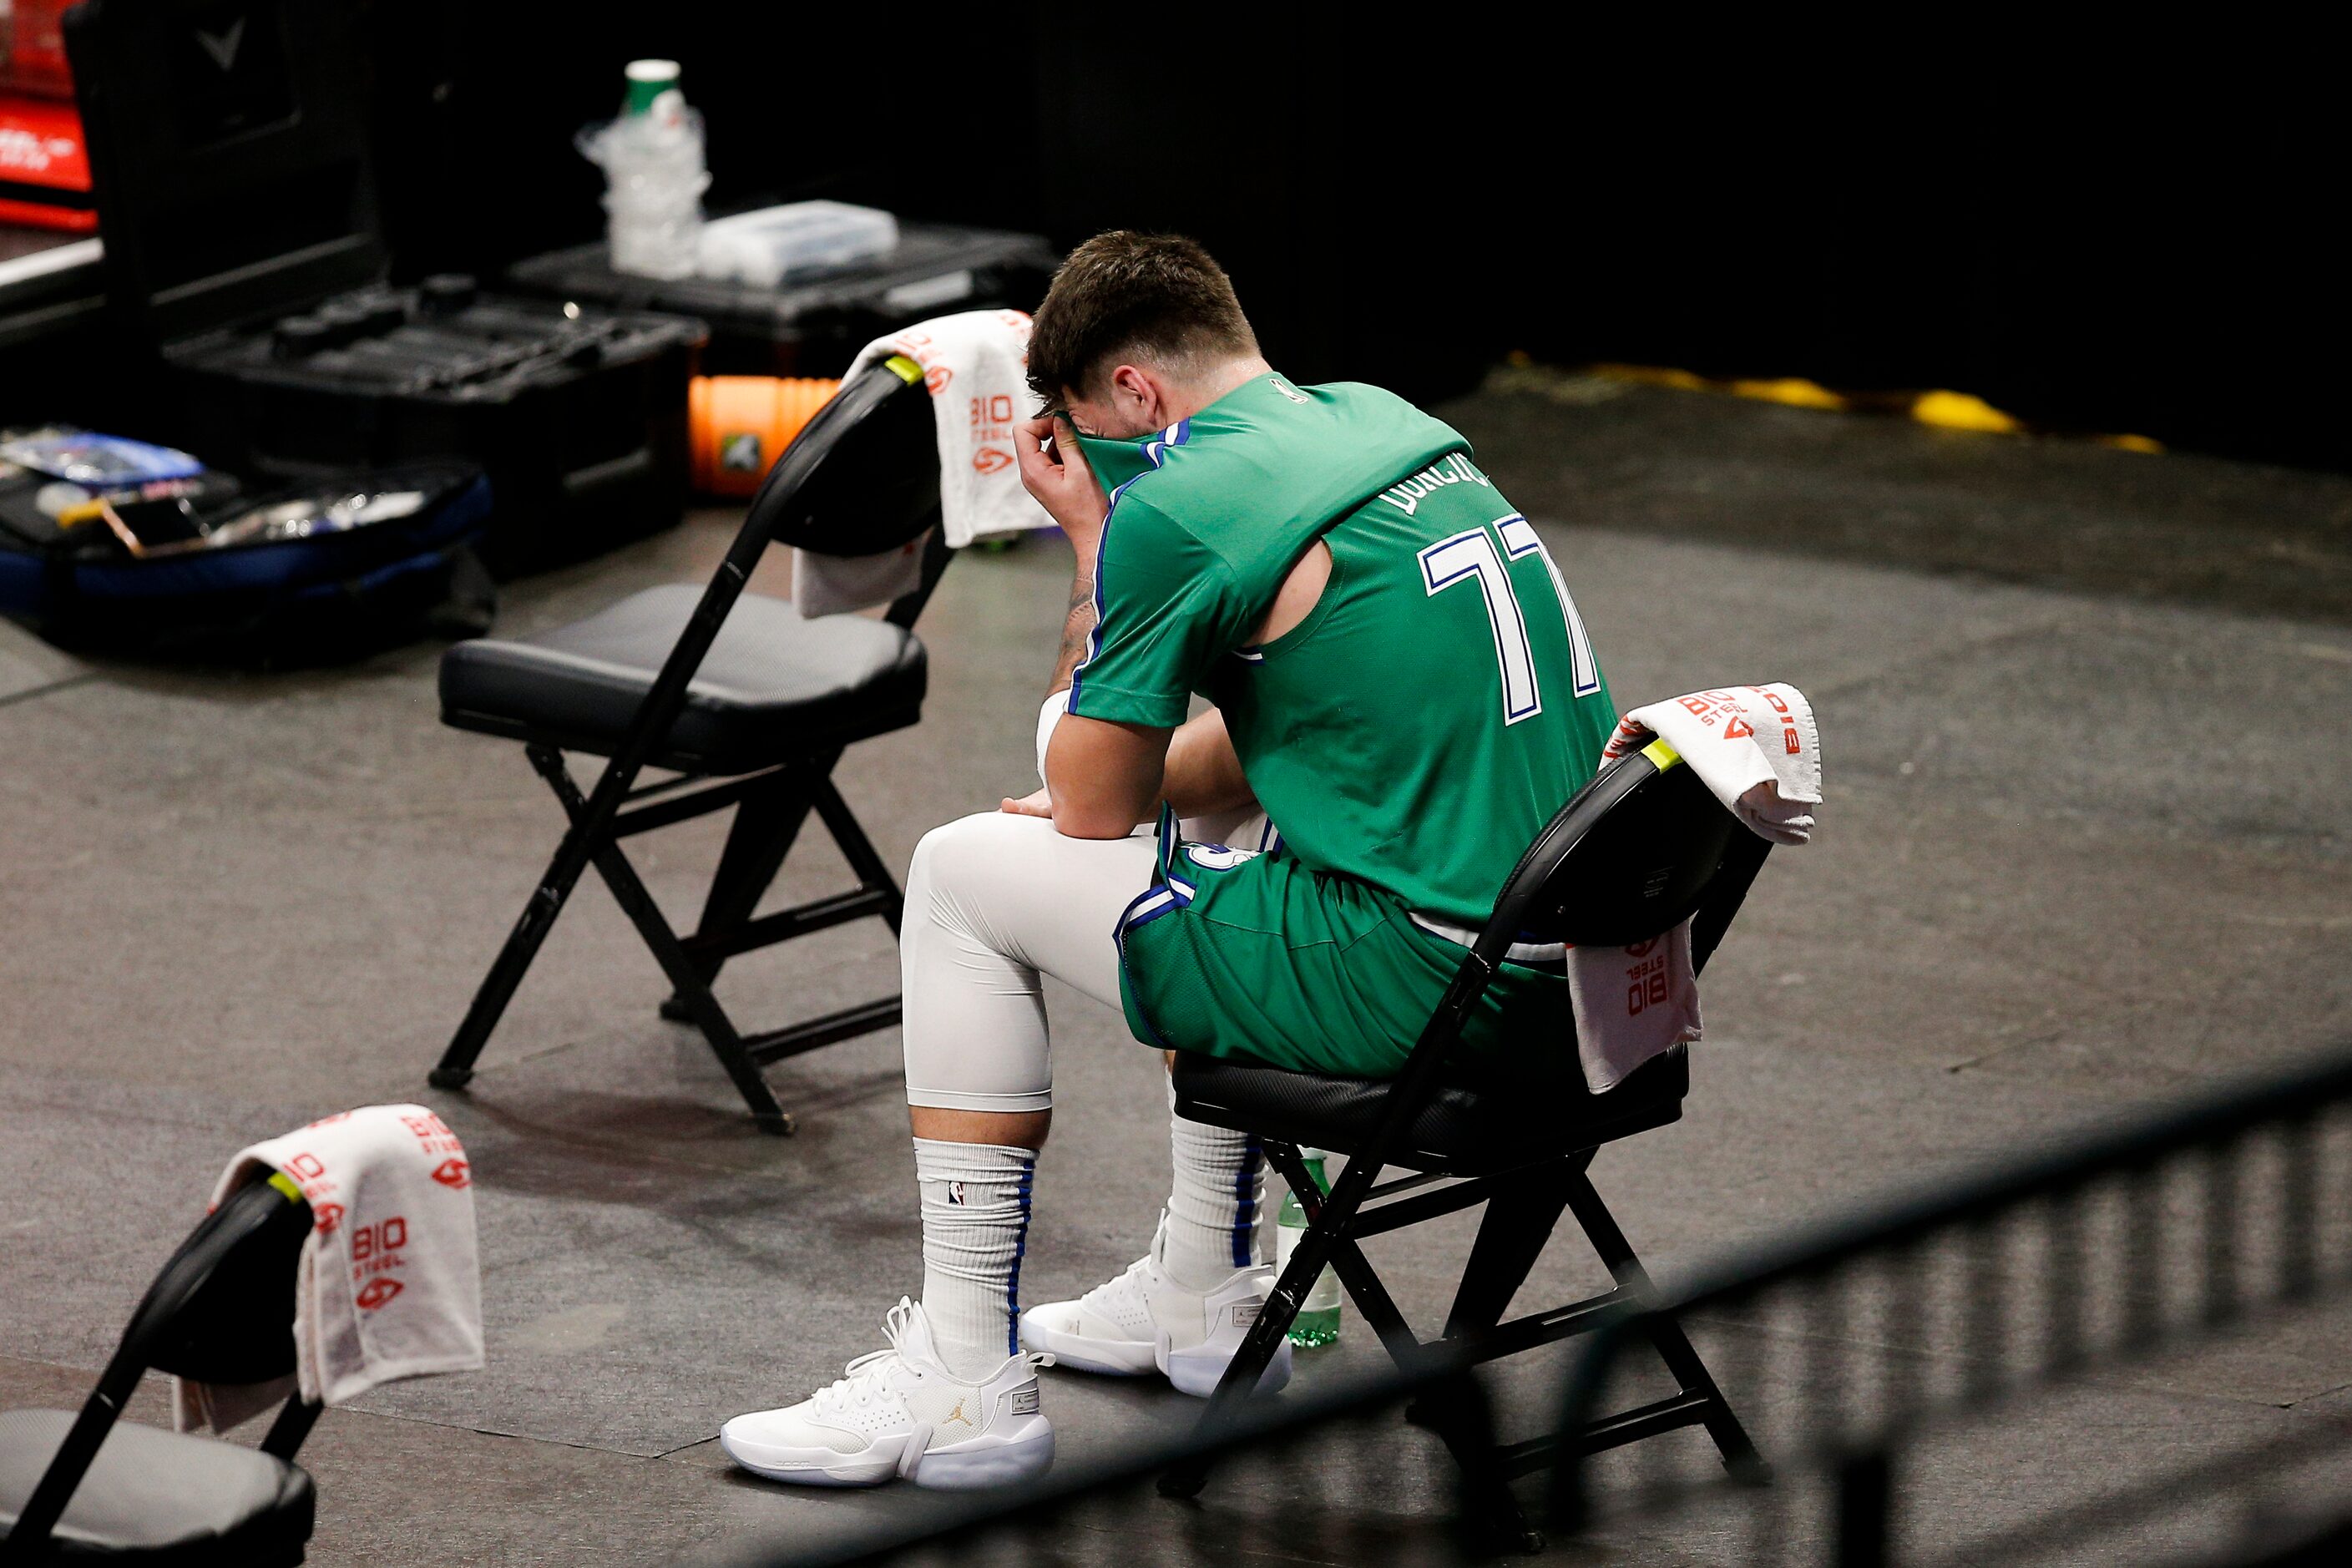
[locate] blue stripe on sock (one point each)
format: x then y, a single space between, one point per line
1245 1202
1020 1247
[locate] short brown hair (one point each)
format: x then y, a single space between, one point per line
1125 294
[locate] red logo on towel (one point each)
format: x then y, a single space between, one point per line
1645 979
378 1292
937 378
988 459
329 1217
453 1172
433 1135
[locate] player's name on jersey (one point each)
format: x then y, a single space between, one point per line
1451 469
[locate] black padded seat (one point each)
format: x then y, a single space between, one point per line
1465 1130
774 686
154 1497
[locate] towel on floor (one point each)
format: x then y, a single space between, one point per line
389 1285
1759 751
973 363
1757 747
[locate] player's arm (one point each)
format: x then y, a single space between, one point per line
1202 774
1205 773
1105 772
1101 778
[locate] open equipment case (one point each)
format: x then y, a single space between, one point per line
228 148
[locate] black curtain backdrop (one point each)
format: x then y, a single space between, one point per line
2124 236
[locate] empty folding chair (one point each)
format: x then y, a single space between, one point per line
1641 848
746 705
90 1488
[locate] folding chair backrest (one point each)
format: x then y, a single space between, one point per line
1641 848
222 1310
863 476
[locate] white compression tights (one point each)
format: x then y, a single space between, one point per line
993 901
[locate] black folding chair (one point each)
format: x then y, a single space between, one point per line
746 704
84 1488
1641 848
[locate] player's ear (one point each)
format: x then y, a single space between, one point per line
1134 392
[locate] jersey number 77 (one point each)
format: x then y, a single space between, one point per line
1472 555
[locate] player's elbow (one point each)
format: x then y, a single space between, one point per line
1093 818
1104 778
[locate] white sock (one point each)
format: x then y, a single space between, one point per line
975 1223
1213 1210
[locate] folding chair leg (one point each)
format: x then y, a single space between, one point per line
1517 1224
858 850
701 1006
530 929
1456 1409
1325 1244
1674 1346
1264 1336
647 915
766 826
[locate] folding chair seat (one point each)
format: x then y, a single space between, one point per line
1640 849
772 687
1469 1126
86 1488
748 705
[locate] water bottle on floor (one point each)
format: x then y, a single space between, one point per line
1318 1322
652 159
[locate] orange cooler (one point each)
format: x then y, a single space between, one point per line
742 424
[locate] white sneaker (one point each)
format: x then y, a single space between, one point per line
899 1412
1144 1321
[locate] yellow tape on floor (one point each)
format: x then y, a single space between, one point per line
1943 408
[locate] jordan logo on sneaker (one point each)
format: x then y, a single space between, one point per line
956 1415
1245 1313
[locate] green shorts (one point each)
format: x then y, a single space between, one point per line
1236 953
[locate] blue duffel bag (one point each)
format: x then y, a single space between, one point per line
322 568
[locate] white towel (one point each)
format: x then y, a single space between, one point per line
1757 747
973 363
1632 1003
389 1285
1758 750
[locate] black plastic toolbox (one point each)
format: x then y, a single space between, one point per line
814 325
228 150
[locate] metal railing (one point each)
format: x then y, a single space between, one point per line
1870 1352
1871 1358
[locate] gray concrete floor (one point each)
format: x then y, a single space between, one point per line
2086 844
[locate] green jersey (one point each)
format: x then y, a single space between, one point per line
1439 703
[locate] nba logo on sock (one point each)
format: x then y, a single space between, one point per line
955 1192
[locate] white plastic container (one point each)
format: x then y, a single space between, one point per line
765 248
654 173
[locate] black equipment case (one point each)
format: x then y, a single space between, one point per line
813 324
228 151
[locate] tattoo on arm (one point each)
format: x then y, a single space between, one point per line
1075 627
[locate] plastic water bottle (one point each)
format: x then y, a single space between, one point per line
653 174
1318 1322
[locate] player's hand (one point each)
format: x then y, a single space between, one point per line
1054 471
1040 804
